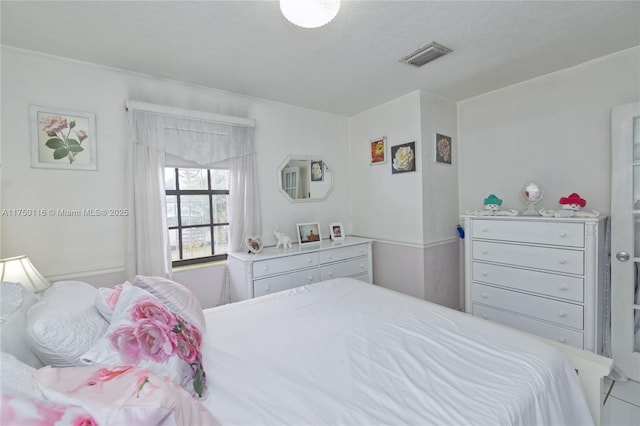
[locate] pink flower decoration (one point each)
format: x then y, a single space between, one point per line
81 134
186 351
112 298
156 340
101 376
149 308
125 341
196 336
84 420
52 124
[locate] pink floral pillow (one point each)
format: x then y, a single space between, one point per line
123 395
144 332
20 409
175 296
107 298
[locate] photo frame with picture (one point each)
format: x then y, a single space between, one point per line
443 149
62 138
309 233
336 231
403 158
377 150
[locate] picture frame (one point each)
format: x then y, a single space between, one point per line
336 231
317 170
62 138
308 233
377 151
403 158
443 149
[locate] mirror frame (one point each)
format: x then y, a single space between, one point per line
304 158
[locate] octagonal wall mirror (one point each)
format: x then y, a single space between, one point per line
305 178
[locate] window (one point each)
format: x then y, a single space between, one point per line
197 205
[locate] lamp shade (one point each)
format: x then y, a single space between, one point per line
21 270
309 13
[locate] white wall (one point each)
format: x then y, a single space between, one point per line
554 129
413 216
93 248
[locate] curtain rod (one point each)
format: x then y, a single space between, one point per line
227 119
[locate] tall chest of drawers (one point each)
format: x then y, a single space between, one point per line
541 275
274 270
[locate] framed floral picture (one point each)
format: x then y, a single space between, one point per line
317 170
308 233
443 149
337 231
62 138
403 158
377 148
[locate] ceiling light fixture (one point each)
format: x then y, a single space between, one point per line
309 13
426 54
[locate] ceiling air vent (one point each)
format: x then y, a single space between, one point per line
426 54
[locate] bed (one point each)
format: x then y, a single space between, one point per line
335 352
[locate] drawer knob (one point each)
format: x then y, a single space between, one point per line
485 316
562 314
562 261
485 273
266 289
485 251
361 266
484 295
562 234
484 229
330 273
266 268
563 287
308 260
562 340
310 278
330 257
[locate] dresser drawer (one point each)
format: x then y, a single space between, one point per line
562 286
563 313
549 331
263 268
552 259
552 233
285 282
344 269
342 253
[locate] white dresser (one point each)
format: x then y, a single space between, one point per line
274 270
540 275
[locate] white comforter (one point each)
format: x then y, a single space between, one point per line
346 352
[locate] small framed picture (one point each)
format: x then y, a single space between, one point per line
337 231
443 149
317 170
309 233
62 138
403 158
378 149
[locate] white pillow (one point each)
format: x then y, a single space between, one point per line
15 301
17 376
65 323
175 296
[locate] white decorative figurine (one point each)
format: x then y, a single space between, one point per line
570 207
492 208
283 239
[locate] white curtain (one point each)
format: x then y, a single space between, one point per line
154 132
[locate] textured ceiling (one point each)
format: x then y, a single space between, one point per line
345 67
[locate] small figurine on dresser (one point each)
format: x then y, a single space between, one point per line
570 207
283 240
492 208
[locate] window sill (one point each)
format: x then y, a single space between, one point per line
199 266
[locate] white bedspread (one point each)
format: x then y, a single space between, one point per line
346 352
